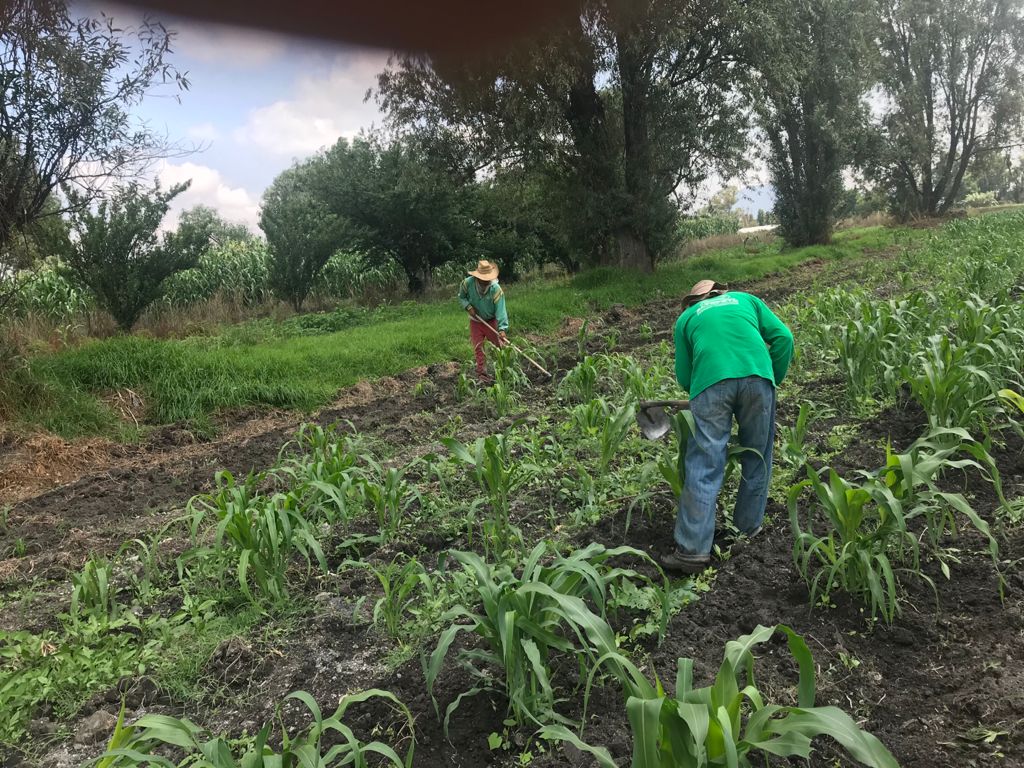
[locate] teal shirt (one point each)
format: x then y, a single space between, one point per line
729 337
489 306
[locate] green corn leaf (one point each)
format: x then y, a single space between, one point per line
645 720
561 733
838 725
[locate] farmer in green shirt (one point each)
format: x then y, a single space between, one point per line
482 297
731 354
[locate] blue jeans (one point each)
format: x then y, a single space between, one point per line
752 401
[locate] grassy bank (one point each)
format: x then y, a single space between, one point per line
190 380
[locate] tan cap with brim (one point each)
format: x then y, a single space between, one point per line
485 270
702 289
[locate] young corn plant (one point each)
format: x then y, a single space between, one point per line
952 389
913 477
673 466
404 585
606 426
327 743
522 621
864 543
389 495
92 594
794 438
498 474
326 473
509 379
580 383
731 722
259 535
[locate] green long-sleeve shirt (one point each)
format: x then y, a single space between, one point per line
729 337
488 306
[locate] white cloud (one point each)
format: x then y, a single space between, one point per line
234 47
322 109
235 204
204 132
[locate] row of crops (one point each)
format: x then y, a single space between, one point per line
513 502
237 272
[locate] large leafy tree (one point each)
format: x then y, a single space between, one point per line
118 253
399 204
952 83
811 74
621 106
206 220
302 232
67 89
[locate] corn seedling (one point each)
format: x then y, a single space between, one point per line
580 383
389 496
582 337
953 391
794 438
912 477
259 534
497 474
327 743
673 467
404 585
92 594
731 722
865 533
522 621
607 427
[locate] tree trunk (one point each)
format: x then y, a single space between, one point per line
632 252
634 76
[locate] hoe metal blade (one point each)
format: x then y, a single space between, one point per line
654 423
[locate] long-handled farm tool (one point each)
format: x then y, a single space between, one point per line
654 423
535 364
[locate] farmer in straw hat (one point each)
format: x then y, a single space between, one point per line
482 297
731 354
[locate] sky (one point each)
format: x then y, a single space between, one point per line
257 102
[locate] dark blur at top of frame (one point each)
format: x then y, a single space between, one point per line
443 28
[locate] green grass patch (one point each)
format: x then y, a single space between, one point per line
188 381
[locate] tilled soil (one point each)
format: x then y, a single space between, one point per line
933 687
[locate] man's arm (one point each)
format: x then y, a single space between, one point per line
778 338
684 358
500 313
464 294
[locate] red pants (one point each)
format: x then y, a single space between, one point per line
479 332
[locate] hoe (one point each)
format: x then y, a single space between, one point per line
654 423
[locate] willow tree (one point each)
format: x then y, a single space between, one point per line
952 90
811 73
621 107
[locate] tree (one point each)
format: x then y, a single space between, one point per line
68 86
811 73
952 81
627 103
302 232
117 253
206 220
399 204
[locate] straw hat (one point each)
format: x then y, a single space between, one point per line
485 270
703 289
